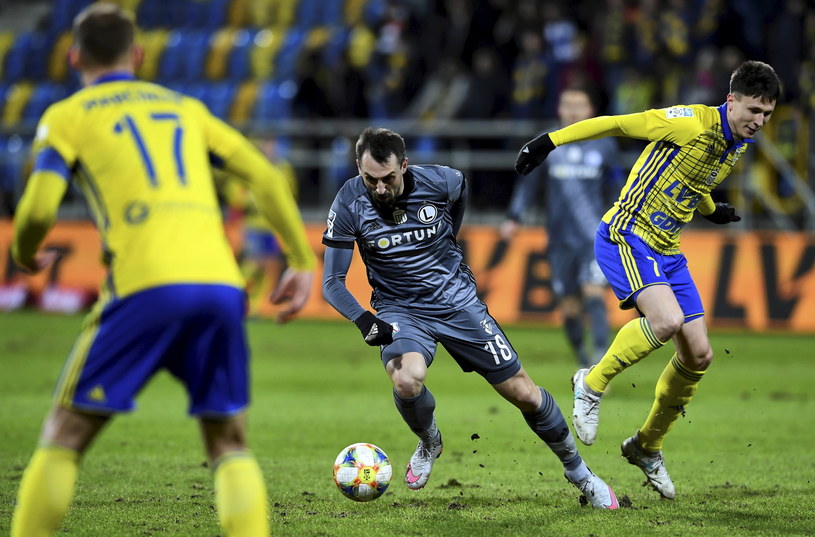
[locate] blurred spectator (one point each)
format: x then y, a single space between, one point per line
442 94
486 95
531 78
786 46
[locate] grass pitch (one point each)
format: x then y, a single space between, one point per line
742 457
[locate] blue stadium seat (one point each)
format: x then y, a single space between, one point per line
44 95
193 49
169 67
286 61
38 55
149 14
274 100
14 66
63 13
238 65
310 12
331 14
218 97
214 15
28 57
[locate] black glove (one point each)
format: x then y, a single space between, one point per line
533 153
374 330
724 214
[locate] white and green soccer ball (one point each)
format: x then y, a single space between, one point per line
362 472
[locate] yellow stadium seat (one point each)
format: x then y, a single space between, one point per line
153 42
16 99
262 56
6 41
244 102
58 65
219 51
353 11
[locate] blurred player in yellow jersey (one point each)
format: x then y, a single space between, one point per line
693 148
261 259
173 298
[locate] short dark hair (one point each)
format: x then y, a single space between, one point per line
103 32
589 91
381 143
756 79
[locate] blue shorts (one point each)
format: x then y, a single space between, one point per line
470 335
572 268
630 266
260 244
195 331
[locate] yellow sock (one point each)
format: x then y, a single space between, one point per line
46 491
240 495
633 342
675 387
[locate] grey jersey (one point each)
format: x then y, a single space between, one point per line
575 196
411 254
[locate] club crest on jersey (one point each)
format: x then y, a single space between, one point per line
427 213
399 216
486 324
678 111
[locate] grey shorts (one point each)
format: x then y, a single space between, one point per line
471 336
572 269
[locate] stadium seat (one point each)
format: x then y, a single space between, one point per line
63 13
149 15
274 100
220 48
331 13
244 102
17 98
237 64
267 43
58 67
169 66
193 49
6 42
14 66
218 97
154 43
309 13
285 65
42 96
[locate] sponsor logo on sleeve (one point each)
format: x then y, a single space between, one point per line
678 111
329 228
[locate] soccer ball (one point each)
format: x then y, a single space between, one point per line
362 472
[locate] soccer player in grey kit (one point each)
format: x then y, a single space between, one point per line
579 179
404 220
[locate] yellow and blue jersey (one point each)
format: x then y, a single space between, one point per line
691 151
142 155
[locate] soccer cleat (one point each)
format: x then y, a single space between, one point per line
586 409
418 469
652 464
596 491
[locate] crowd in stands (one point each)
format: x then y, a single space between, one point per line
272 60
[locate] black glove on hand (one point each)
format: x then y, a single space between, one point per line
533 153
724 214
374 330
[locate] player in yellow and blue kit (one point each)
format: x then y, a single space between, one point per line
693 148
174 296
